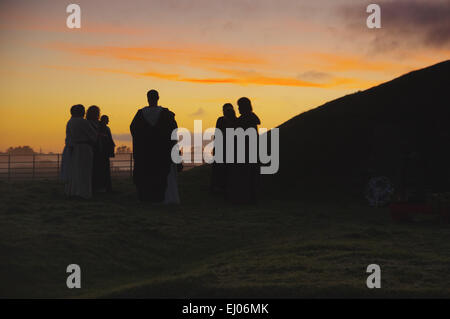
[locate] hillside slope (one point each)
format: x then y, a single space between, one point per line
399 129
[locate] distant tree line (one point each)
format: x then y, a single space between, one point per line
20 150
123 149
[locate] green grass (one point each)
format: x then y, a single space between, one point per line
205 248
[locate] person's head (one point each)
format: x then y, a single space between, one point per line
245 106
93 113
77 110
152 97
104 119
228 110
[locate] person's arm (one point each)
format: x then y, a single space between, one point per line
134 134
133 126
110 137
172 125
68 140
110 144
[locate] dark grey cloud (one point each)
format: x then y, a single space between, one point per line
403 22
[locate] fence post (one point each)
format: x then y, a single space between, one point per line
9 167
33 164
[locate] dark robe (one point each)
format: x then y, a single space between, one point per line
104 152
97 167
219 170
242 178
152 147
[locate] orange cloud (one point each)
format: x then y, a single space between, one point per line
166 55
341 62
256 78
213 59
205 56
236 77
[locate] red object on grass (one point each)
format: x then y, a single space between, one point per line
403 211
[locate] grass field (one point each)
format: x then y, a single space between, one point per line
205 248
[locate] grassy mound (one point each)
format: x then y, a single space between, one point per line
398 129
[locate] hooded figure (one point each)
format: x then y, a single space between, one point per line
154 170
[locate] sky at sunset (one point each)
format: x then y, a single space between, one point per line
287 56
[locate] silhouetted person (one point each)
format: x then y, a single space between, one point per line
154 172
76 111
218 174
77 162
98 180
104 154
242 178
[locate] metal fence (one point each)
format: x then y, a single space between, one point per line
47 166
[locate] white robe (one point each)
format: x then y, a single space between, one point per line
171 196
78 161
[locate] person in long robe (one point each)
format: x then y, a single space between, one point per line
82 137
76 111
243 178
154 172
98 178
219 170
104 154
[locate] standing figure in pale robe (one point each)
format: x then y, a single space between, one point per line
81 136
154 174
77 111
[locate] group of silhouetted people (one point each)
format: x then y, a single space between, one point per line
237 182
85 165
89 147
